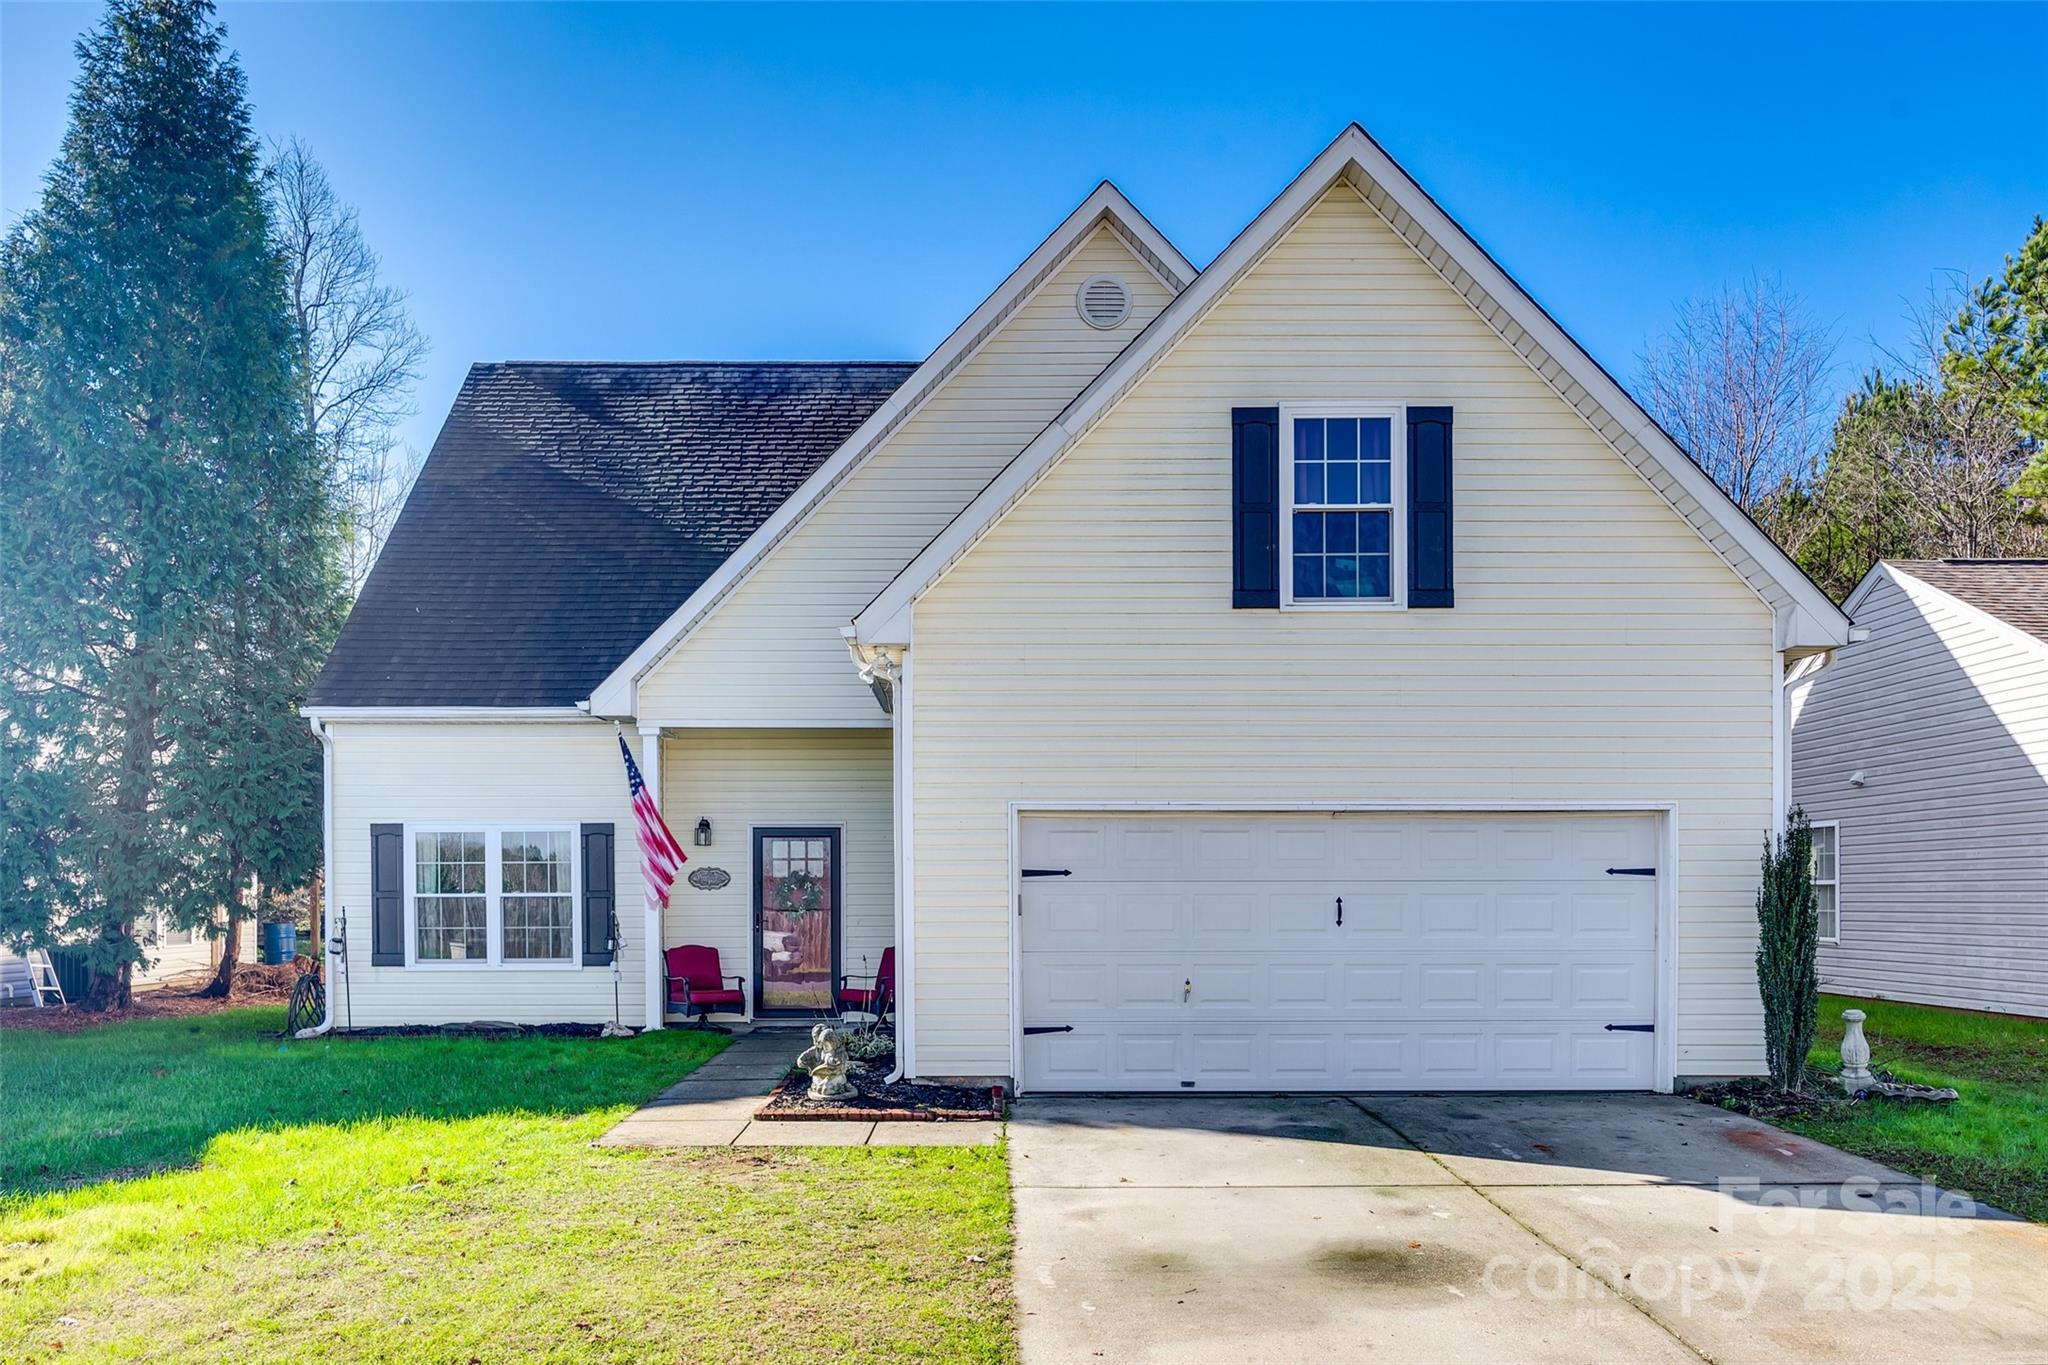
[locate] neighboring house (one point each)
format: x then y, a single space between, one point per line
1921 755
169 953
1090 664
175 952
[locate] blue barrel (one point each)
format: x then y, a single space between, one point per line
280 943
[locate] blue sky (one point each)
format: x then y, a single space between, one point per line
643 181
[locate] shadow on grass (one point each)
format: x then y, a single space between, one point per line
147 1096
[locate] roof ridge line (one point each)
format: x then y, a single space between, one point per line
622 364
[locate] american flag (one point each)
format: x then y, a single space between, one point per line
660 856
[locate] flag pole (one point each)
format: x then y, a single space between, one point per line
615 1029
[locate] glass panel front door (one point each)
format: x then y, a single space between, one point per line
796 916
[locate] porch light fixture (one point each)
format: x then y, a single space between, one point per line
703 831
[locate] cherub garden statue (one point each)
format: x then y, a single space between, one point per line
827 1061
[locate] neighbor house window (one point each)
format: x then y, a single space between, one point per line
493 895
1827 874
1342 540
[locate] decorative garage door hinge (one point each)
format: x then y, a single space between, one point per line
1631 1028
1030 1029
1047 872
1631 871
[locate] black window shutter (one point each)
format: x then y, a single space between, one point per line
600 895
1429 507
387 895
1255 499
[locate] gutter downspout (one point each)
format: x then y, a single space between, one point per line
337 963
1797 672
905 959
892 666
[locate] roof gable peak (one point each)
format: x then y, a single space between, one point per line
1807 619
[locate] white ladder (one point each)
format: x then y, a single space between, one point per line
32 975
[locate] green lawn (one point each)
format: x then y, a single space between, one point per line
1992 1143
438 1199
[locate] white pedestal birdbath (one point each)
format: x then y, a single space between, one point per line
1855 1054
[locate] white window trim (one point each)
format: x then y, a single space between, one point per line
1834 881
494 895
1397 511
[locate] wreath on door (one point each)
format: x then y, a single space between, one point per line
799 893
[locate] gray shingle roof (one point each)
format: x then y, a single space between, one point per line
567 509
2013 590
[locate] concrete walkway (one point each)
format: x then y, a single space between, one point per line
1548 1228
714 1106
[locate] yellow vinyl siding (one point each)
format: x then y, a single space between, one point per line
744 779
449 773
1086 649
771 654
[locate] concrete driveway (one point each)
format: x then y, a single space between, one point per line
1494 1228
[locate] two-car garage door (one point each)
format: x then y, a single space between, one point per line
1209 951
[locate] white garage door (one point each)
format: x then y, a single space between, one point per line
1476 952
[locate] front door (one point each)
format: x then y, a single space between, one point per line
796 920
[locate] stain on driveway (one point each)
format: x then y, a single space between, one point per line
1543 1228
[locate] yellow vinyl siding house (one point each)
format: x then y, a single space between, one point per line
1311 672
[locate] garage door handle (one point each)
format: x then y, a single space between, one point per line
1631 1028
1340 912
1047 1028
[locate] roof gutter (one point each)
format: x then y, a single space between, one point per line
580 711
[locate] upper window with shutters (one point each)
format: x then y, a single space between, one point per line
1344 531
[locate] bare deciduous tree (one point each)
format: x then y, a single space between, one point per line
1741 380
360 352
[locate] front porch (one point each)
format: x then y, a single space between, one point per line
791 872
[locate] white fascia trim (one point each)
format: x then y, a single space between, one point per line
1503 304
434 713
1879 572
1914 586
618 695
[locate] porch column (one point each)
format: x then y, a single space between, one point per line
651 932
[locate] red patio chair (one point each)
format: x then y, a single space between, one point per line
696 983
880 997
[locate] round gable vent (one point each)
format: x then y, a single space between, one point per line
1104 301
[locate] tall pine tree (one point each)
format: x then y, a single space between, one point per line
168 536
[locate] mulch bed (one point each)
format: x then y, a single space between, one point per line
1759 1099
897 1102
255 984
486 1029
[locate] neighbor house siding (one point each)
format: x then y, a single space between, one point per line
771 653
746 779
1944 849
452 772
175 953
1086 650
